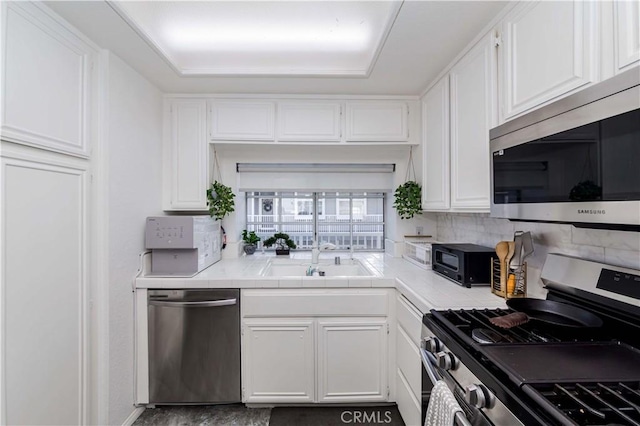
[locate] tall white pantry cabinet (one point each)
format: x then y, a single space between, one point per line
47 127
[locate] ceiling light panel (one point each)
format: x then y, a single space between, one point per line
264 37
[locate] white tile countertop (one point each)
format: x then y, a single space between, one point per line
424 288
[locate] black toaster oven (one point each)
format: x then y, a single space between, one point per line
465 264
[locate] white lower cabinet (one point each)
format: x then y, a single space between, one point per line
279 361
408 375
408 405
44 306
303 346
352 360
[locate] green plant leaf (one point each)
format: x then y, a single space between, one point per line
220 200
408 199
281 240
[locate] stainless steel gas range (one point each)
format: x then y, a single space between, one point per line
539 373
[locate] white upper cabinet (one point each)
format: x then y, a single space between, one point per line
186 154
435 147
309 121
241 120
46 80
626 22
458 112
382 121
473 113
548 50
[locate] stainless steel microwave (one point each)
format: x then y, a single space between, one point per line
574 161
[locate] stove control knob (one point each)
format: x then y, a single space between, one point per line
447 361
433 345
480 396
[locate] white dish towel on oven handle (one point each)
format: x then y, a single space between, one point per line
443 406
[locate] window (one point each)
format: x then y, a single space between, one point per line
342 218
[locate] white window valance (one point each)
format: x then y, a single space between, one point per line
350 177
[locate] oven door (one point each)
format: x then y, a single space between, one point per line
431 373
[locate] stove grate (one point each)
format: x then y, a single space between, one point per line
592 403
466 320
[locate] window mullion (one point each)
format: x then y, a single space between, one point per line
351 222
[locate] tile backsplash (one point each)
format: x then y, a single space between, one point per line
613 247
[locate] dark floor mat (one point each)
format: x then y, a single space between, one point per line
336 416
204 415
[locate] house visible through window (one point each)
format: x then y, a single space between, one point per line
342 218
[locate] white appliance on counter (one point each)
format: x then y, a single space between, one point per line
182 246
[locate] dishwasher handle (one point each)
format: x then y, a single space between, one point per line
200 304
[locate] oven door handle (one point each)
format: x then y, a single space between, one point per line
428 365
428 362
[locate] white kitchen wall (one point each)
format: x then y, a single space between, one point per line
134 147
613 247
229 155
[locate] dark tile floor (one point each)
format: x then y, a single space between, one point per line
205 415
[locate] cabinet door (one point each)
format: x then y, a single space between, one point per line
309 121
473 111
278 363
548 50
352 360
409 406
435 147
242 120
187 151
45 79
626 21
44 292
377 121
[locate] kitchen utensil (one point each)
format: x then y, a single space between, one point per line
556 313
502 250
517 254
486 336
527 246
512 250
511 283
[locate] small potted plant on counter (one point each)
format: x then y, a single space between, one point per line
282 242
250 240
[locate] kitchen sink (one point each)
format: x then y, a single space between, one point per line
299 268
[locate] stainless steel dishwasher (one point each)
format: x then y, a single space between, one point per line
194 346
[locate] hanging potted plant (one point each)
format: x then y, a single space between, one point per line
408 196
282 242
250 240
220 200
219 196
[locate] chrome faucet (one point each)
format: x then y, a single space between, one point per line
315 250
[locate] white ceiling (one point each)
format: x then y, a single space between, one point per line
424 38
264 37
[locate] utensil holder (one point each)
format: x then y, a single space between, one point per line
520 285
